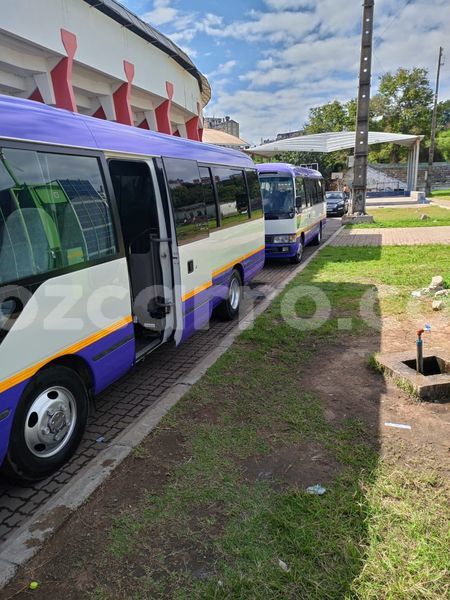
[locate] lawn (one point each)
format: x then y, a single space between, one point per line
406 217
225 514
441 194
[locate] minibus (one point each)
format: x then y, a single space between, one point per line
113 240
294 209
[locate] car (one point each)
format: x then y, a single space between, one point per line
337 204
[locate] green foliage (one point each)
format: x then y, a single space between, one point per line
333 116
443 143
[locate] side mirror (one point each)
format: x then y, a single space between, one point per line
298 202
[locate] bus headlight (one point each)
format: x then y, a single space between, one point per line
284 239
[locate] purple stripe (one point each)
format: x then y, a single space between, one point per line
115 362
9 401
28 120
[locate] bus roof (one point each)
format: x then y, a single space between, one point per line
292 170
27 120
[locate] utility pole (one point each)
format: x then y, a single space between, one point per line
362 116
429 178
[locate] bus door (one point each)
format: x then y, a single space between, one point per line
147 246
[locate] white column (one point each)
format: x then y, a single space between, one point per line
416 164
107 103
151 119
182 130
44 84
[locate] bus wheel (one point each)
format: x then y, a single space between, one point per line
318 238
48 424
298 257
228 309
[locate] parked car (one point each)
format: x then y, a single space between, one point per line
337 204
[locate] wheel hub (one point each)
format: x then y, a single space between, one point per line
50 422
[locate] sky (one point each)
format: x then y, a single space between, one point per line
270 61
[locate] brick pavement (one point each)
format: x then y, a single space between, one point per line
125 401
394 236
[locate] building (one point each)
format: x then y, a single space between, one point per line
223 124
224 139
97 58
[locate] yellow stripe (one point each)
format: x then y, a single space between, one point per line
195 291
233 262
229 265
27 373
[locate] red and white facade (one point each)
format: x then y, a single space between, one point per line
95 57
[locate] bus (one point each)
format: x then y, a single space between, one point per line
295 209
113 240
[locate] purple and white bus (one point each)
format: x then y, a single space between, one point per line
294 209
113 240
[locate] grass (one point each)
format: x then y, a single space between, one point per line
213 532
406 217
441 194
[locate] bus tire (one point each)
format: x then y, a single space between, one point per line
228 309
48 425
297 259
318 238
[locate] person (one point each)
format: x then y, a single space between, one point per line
346 191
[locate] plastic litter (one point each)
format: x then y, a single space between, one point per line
416 293
283 565
398 425
33 585
427 327
100 439
317 489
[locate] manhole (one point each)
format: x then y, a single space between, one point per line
433 385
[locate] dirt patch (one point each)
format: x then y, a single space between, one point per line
293 466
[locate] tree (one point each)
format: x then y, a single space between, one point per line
333 116
443 143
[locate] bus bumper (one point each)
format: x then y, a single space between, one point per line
281 250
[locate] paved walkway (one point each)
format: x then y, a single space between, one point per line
393 236
125 401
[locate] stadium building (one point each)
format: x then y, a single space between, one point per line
97 58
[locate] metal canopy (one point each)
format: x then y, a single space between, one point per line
330 142
344 140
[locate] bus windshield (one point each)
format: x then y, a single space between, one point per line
278 197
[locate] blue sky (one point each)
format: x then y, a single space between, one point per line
270 61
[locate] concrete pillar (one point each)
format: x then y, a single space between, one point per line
162 112
121 97
182 130
62 74
192 128
416 164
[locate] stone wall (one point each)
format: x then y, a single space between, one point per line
441 173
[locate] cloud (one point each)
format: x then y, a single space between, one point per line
161 14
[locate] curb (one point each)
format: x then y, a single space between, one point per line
32 535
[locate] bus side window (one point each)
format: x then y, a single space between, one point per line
232 193
311 192
186 191
254 192
54 211
300 194
320 191
210 197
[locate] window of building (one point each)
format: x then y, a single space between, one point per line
186 191
54 213
210 197
254 192
232 193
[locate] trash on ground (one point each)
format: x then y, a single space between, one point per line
416 293
442 293
33 585
398 425
283 565
317 489
437 305
437 283
424 217
427 327
100 439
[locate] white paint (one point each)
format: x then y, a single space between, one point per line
41 338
